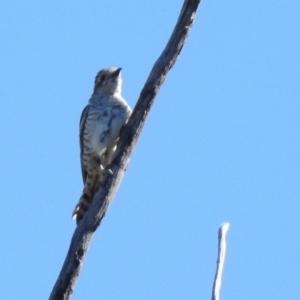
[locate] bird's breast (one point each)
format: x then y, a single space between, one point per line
105 122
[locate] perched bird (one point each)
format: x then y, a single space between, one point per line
100 125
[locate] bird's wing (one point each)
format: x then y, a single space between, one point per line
81 133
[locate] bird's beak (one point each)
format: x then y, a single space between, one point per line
117 72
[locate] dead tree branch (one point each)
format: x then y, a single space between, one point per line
220 262
105 193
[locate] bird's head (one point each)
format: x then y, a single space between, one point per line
108 81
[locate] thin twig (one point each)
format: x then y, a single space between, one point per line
220 262
111 180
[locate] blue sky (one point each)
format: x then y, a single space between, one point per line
220 144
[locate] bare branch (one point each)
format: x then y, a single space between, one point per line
220 262
105 193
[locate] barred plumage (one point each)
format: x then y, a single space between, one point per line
100 125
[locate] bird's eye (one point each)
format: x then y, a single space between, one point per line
100 79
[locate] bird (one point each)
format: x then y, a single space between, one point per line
99 129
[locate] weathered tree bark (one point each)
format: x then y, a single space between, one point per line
105 193
220 262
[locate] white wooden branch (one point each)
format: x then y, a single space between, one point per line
67 278
220 262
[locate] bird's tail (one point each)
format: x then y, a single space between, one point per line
81 207
90 186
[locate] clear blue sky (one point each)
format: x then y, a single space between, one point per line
221 144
